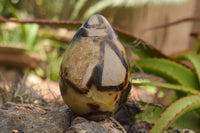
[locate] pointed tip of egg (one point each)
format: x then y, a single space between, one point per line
97 26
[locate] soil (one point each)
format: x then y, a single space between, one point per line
27 118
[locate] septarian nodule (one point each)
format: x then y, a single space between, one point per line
94 74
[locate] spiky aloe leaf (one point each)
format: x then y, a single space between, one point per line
173 112
152 113
139 46
190 120
175 87
169 70
194 59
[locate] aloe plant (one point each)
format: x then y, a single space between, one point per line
175 111
179 77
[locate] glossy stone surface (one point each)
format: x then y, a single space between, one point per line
94 74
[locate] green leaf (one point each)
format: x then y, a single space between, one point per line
175 87
177 109
30 31
169 70
194 59
190 120
197 47
139 46
77 8
97 7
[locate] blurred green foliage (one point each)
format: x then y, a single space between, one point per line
71 9
28 34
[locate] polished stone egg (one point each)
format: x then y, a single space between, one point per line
94 73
